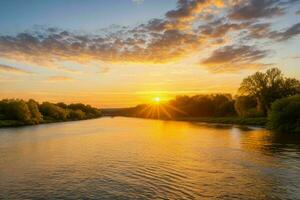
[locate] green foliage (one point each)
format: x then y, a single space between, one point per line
285 115
76 115
15 109
53 111
36 116
62 105
268 87
217 105
225 108
88 110
246 106
15 112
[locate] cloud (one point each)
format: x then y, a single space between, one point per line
259 31
187 10
220 27
59 78
137 1
253 9
264 31
14 70
47 48
233 58
182 32
287 34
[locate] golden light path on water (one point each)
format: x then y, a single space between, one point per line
129 158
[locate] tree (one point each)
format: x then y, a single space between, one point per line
246 106
62 105
18 110
53 111
285 115
269 86
76 114
36 116
3 106
89 111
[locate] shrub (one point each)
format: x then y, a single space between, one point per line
36 116
89 111
18 110
246 106
285 115
76 114
53 111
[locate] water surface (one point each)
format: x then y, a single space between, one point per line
128 158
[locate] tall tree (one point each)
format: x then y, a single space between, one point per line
36 116
269 86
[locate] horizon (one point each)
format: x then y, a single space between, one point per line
115 55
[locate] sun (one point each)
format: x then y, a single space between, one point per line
157 100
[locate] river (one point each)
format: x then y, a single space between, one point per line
129 158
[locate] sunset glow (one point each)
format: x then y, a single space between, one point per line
157 100
96 53
149 99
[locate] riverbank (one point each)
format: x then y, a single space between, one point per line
259 121
14 123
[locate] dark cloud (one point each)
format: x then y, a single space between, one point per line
287 34
234 57
259 31
10 69
219 28
297 12
253 9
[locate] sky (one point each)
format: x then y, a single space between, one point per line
120 53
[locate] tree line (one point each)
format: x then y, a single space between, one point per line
262 94
31 112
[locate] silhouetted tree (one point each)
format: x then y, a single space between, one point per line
31 112
17 110
53 111
90 112
62 105
36 116
76 114
246 106
269 86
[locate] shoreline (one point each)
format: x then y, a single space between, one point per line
256 122
260 122
16 124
